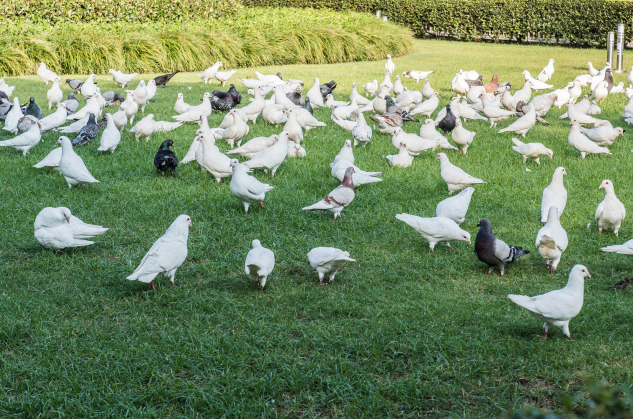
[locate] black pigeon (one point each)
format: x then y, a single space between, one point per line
327 88
447 124
164 79
392 108
5 107
222 95
479 81
308 106
492 251
75 84
279 75
237 98
102 123
166 159
222 105
296 98
521 111
33 109
72 104
112 97
609 78
3 95
621 284
88 132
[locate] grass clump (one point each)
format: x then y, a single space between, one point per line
253 38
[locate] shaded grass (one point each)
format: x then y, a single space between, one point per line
402 332
254 37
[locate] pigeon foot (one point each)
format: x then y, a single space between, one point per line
261 204
151 286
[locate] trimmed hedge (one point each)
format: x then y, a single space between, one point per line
114 11
581 22
255 37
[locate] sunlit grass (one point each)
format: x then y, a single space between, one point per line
402 332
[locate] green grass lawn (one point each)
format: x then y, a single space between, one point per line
403 332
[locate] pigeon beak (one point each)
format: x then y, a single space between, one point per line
190 223
468 241
588 275
601 186
68 220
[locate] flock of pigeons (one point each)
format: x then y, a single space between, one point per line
392 104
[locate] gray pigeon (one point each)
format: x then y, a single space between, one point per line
111 97
72 104
87 133
492 251
24 123
75 84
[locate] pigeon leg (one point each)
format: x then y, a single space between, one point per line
459 151
151 286
490 270
537 161
502 269
544 336
449 246
321 278
569 337
261 204
600 230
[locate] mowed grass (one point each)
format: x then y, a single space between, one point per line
402 332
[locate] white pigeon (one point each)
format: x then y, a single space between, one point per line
130 106
51 160
617 88
361 132
255 108
346 153
25 141
72 166
386 86
531 150
455 207
314 94
604 135
339 198
594 109
295 150
456 179
13 116
403 158
459 84
208 74
6 89
196 112
436 229
141 95
417 75
306 120
551 240
181 107
271 158
494 113
246 188
427 107
55 95
409 99
429 132
75 126
211 159
462 137
348 112
562 96
58 229
557 308
370 88
144 128
166 255
111 135
331 103
414 143
610 212
360 177
623 249
398 88
121 78
271 79
580 142
601 91
254 146
55 119
91 106
88 88
536 84
151 89
554 194
328 261
260 262
427 91
236 132
389 65
360 100
224 76
45 74
547 72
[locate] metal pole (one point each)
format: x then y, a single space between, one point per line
610 39
377 14
620 48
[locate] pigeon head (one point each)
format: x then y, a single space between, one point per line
347 180
389 56
42 65
607 185
466 236
64 214
279 75
166 144
441 157
234 163
348 143
620 131
92 118
32 100
580 271
389 100
484 224
111 71
256 243
403 145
